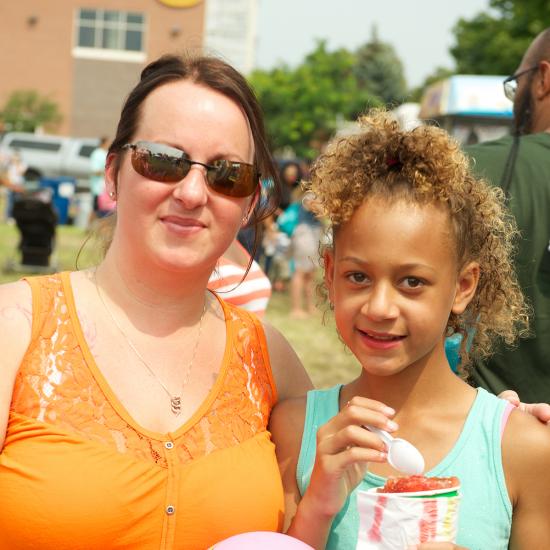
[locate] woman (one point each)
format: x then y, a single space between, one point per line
135 404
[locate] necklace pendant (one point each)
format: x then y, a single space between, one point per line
175 405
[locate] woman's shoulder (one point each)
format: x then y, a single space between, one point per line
15 304
15 317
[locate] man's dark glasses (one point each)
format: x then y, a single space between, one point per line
166 164
511 83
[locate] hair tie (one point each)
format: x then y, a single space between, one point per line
393 163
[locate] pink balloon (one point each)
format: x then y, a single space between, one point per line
261 540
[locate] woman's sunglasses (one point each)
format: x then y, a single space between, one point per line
166 164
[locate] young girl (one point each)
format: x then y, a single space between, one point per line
421 250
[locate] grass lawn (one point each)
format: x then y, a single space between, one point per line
316 343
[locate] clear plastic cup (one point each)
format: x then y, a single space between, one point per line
393 521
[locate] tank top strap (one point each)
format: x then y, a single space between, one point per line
48 301
505 416
321 406
250 338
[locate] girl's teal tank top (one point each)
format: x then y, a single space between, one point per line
485 509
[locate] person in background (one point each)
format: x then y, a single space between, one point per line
16 170
280 268
134 402
12 179
239 280
421 249
269 244
520 165
285 221
291 176
305 255
97 179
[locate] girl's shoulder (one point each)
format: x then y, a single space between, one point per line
525 441
525 457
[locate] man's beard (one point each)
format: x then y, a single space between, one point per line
523 112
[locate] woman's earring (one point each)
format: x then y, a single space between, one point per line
112 195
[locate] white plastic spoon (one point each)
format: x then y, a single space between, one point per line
402 455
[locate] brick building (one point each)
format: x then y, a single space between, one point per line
87 54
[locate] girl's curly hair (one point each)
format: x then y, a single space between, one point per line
425 165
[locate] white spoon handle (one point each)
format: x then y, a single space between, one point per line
385 436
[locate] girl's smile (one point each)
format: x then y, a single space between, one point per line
379 340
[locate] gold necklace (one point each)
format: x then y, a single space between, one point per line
175 400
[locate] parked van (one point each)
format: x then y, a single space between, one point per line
48 156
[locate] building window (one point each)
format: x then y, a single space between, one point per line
110 30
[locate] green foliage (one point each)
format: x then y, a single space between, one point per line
494 42
379 70
302 106
26 110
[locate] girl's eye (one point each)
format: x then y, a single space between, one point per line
412 282
357 277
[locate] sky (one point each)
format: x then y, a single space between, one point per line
419 30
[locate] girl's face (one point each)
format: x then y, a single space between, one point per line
393 279
184 224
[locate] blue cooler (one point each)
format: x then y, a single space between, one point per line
63 190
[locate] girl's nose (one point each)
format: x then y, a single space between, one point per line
380 304
191 191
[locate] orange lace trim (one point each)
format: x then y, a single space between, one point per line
55 385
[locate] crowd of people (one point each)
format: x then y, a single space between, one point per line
141 408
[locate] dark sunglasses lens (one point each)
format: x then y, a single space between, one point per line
158 163
233 179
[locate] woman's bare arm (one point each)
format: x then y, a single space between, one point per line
290 376
15 334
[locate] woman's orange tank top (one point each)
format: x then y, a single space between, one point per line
77 472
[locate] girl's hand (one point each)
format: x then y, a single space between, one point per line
344 447
541 411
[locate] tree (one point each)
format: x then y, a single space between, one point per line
302 106
494 43
27 110
379 70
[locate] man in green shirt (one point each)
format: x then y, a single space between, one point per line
520 164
